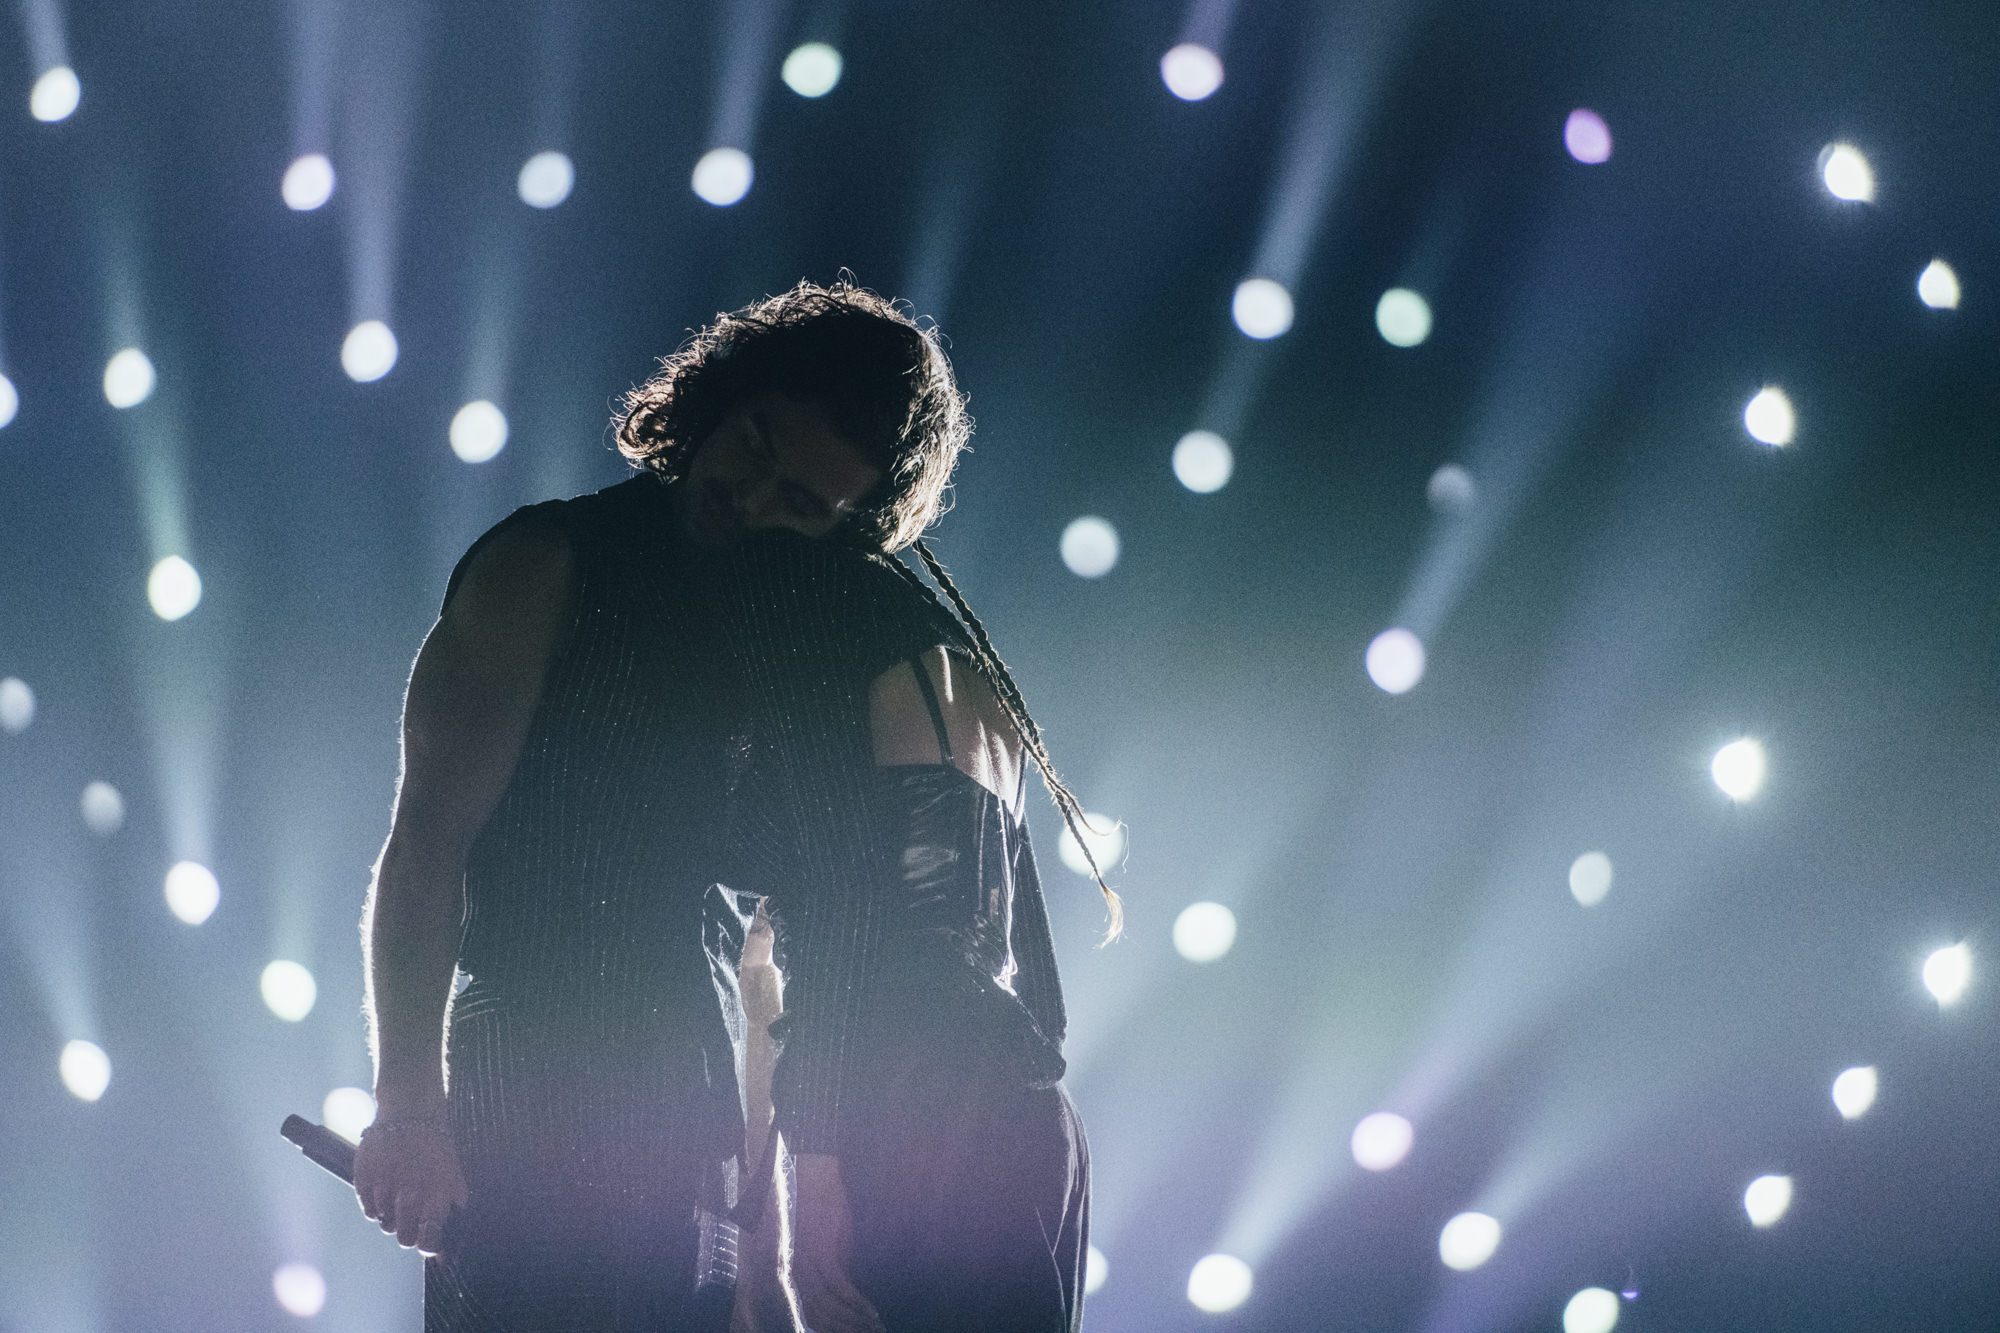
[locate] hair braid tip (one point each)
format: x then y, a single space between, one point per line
997 673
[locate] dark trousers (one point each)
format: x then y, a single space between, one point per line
971 1205
575 1261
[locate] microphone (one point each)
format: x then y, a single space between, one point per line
322 1146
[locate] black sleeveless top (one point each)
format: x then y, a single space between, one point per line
591 1039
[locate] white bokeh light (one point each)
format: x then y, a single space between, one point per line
1402 317
1770 418
1767 1199
191 892
1590 878
1218 1283
1089 547
308 183
1592 1310
288 989
1191 72
723 176
1846 172
1451 490
1587 137
10 402
173 588
368 352
478 431
103 808
1381 1141
1095 1269
1104 836
1937 286
546 179
1468 1241
17 705
1203 461
55 95
1854 1091
1947 972
1203 932
85 1070
1739 768
811 70
128 378
348 1111
1395 661
300 1289
1261 308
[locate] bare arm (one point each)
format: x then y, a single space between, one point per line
471 698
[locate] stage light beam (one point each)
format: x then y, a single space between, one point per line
85 1070
1854 1091
1767 1199
17 705
300 1289
1947 973
348 1111
1739 769
1381 1141
1468 1241
546 179
1590 878
1089 547
1592 1310
1095 1269
10 402
1204 932
723 176
1587 137
1770 418
308 183
173 588
812 69
368 352
1451 490
1262 308
191 892
1402 317
1937 286
1847 174
1219 1283
289 990
478 432
103 808
128 379
1395 661
1203 462
1191 72
55 95
1107 847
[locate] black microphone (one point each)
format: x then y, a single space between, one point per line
321 1145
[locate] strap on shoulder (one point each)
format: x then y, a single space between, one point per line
931 702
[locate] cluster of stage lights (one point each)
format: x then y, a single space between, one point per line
1202 461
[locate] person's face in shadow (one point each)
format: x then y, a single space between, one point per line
774 462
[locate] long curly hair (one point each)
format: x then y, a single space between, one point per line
888 387
884 381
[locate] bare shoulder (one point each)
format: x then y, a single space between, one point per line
522 567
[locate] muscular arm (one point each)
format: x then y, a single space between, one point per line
471 697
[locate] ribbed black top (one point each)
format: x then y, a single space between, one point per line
704 722
594 1034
